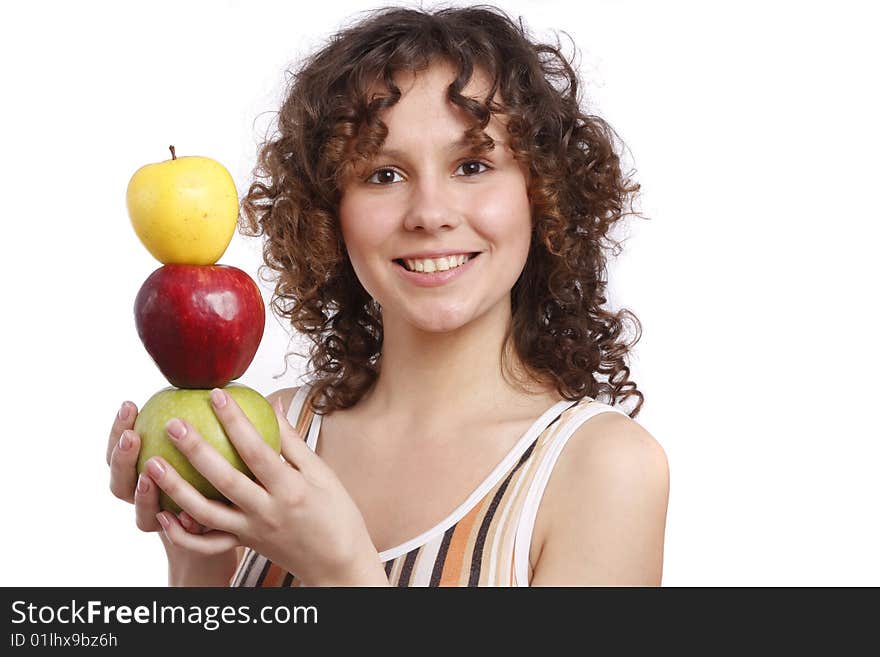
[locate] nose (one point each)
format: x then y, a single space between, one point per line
431 206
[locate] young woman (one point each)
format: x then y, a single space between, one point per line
434 206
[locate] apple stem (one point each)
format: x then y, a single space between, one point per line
173 156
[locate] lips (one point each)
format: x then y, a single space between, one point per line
471 256
434 255
438 278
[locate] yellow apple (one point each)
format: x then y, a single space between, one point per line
184 210
194 406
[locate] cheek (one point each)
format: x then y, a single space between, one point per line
365 238
361 229
506 219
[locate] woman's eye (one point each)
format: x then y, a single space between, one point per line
471 167
386 176
383 176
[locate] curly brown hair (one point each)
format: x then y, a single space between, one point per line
327 128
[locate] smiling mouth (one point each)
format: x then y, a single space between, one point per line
471 256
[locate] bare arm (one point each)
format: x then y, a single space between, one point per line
608 498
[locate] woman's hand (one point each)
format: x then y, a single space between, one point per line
185 566
296 513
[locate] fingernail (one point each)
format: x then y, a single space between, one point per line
175 428
123 412
185 520
124 440
155 469
218 397
143 484
163 520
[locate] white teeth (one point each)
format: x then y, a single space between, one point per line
436 264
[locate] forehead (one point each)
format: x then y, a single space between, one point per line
426 91
439 75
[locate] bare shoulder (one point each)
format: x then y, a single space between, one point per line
605 508
614 445
285 394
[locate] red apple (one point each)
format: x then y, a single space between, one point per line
201 324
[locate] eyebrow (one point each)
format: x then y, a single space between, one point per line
451 147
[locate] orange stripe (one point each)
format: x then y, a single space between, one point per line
455 555
242 553
274 577
304 419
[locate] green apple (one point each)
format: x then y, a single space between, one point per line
194 406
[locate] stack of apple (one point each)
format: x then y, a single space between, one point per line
200 322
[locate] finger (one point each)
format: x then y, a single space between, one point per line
210 543
124 420
146 504
191 525
293 448
232 483
211 513
262 460
123 465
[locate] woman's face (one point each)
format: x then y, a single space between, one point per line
423 193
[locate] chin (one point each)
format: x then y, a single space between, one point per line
438 327
441 319
427 318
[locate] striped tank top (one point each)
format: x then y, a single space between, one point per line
483 542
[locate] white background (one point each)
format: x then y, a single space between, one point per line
751 126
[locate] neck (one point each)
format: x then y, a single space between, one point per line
432 380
